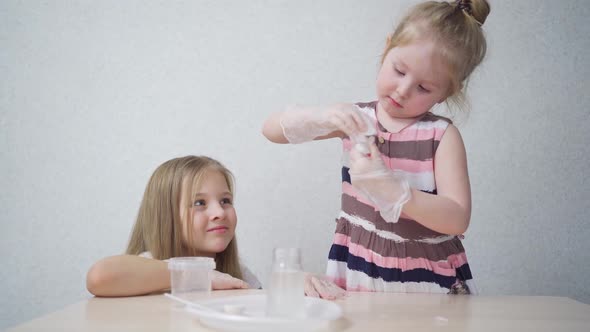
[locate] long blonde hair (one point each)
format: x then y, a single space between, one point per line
456 28
158 227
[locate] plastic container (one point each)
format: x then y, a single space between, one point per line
190 274
286 295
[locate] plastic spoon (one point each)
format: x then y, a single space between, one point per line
231 309
189 303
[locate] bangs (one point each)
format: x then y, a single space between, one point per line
199 177
406 34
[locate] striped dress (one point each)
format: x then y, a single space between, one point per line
369 254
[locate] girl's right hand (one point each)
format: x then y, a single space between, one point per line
220 280
302 123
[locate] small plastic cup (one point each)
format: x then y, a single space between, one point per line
286 295
190 274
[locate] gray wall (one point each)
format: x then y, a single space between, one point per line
95 94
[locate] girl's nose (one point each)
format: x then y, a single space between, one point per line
216 211
403 88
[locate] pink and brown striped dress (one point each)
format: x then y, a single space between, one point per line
369 254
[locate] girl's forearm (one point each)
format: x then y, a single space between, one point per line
439 213
127 275
299 124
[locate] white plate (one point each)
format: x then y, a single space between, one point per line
214 313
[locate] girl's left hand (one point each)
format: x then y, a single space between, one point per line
220 280
387 189
318 286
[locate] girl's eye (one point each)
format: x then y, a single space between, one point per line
199 202
399 72
226 201
421 88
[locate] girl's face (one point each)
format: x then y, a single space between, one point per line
214 217
411 80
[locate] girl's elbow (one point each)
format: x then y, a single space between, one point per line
274 135
266 132
272 129
96 280
461 227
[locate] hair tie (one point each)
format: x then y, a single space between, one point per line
465 6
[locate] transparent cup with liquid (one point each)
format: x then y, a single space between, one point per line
286 295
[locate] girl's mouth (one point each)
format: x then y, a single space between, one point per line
395 103
218 229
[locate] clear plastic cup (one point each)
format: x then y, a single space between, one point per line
190 274
286 295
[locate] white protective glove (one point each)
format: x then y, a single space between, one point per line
220 280
319 286
303 124
387 189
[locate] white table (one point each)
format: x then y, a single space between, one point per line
364 312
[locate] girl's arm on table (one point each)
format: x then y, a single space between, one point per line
127 275
448 212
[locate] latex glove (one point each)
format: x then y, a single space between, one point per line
303 124
387 189
319 286
220 280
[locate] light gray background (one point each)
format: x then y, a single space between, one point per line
95 94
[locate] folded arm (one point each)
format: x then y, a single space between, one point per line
449 211
127 275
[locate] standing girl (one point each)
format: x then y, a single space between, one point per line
406 196
187 210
